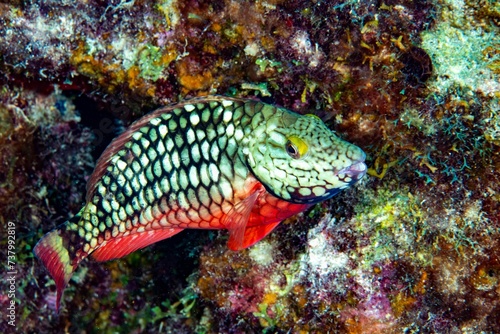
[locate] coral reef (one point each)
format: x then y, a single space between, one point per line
413 248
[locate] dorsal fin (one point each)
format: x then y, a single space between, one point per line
118 143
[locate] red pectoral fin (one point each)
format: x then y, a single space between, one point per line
237 219
256 233
119 247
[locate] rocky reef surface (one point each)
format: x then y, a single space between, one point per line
414 248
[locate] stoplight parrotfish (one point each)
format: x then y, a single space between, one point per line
207 163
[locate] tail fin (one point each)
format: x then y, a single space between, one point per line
60 252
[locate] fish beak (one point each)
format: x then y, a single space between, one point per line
356 171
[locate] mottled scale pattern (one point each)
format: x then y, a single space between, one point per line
159 179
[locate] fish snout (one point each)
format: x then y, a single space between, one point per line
358 168
356 171
353 173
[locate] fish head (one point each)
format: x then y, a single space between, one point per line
299 159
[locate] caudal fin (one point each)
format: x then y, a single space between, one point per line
59 253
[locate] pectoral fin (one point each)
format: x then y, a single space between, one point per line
237 219
256 233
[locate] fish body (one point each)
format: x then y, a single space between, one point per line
209 163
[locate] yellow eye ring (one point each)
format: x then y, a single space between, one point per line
296 147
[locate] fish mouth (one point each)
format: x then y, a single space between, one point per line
355 171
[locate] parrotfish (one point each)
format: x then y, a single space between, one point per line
206 163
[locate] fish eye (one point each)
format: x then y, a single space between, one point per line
296 147
292 150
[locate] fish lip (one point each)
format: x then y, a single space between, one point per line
356 171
